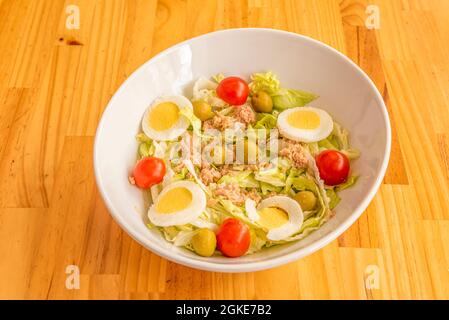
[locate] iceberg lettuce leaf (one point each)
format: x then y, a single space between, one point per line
333 197
265 121
345 185
267 82
244 179
290 98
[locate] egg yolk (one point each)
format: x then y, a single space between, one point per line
272 217
174 200
304 120
163 116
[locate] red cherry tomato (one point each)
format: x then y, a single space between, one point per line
233 238
333 166
233 90
148 172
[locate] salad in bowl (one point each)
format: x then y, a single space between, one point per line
240 165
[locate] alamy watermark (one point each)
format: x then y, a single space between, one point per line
372 20
252 146
72 281
372 277
73 20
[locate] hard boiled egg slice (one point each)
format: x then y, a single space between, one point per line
178 203
280 215
162 120
305 124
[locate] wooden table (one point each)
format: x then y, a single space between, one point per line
55 83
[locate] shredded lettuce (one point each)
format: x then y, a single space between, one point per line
345 185
218 77
226 208
183 238
169 233
180 175
280 178
302 183
274 176
245 179
352 154
292 175
267 188
289 98
141 137
337 140
327 144
194 121
341 136
146 146
313 147
146 149
314 219
265 121
334 198
282 98
258 240
205 89
267 82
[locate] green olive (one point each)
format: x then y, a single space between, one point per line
306 199
204 242
202 110
262 102
220 157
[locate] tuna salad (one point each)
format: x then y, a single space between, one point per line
240 165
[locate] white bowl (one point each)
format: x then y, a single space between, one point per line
345 92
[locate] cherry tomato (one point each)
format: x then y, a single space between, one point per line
233 90
148 172
233 238
333 166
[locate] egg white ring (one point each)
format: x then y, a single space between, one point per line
177 129
184 216
322 132
295 216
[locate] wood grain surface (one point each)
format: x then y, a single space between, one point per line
55 83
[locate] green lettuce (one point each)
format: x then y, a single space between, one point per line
290 98
194 121
267 82
258 240
142 137
146 147
226 208
348 183
293 174
313 219
352 154
265 121
267 188
302 183
282 98
180 175
272 176
333 197
218 77
328 144
338 140
244 179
